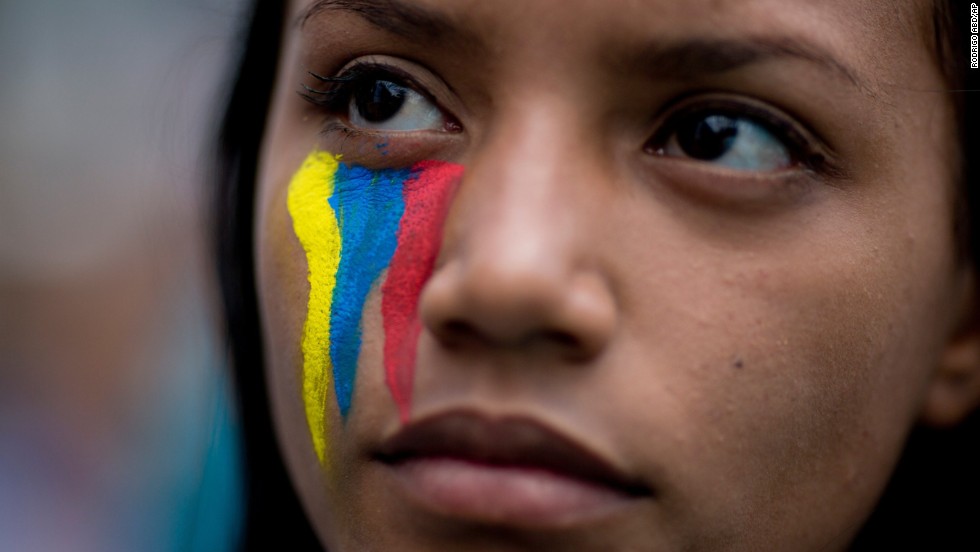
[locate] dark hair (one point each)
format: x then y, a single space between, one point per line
273 514
931 501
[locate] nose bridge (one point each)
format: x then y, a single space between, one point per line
513 269
517 198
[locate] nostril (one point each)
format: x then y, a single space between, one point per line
571 346
455 333
458 327
460 333
564 340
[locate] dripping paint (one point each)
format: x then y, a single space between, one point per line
354 224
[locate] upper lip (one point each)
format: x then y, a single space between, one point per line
504 441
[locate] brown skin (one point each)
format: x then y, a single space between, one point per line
753 345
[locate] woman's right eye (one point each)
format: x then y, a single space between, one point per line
378 104
369 98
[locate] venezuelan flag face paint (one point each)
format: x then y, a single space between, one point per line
354 223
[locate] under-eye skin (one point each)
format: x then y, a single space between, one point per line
378 98
738 136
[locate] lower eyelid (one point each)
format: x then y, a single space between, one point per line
381 149
734 190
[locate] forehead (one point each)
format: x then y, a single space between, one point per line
731 13
864 32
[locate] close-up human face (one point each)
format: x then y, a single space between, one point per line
604 276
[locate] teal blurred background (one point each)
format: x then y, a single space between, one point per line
117 430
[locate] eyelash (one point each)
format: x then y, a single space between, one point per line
805 153
336 99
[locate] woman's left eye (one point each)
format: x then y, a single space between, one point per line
729 140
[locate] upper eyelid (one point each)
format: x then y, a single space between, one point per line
802 141
781 125
353 73
357 70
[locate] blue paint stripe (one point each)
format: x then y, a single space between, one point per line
369 206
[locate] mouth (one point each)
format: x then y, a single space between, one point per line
508 471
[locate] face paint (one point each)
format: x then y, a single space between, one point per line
316 227
427 195
352 223
368 205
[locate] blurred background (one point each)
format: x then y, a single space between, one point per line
116 430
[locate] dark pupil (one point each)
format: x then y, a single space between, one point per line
707 138
378 100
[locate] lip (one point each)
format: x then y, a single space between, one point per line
511 471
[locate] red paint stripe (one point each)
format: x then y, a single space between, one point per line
427 196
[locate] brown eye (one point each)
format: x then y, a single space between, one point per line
378 97
379 104
707 138
728 140
377 101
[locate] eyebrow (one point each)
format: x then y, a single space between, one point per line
405 20
688 59
681 60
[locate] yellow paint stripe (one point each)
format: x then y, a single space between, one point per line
315 224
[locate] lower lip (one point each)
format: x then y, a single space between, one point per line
505 495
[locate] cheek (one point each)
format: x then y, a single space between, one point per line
356 224
786 371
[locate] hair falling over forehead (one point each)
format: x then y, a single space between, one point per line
272 506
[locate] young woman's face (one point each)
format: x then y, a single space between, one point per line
607 275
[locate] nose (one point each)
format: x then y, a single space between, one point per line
521 263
